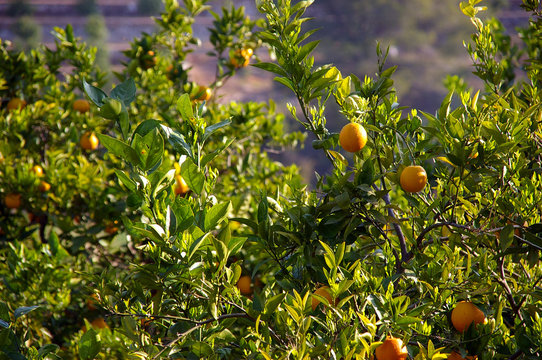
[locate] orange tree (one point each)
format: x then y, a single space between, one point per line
63 190
439 260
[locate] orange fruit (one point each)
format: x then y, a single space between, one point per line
466 313
89 141
413 178
81 105
13 201
149 60
111 228
322 291
243 284
92 301
241 57
353 137
145 321
16 104
455 356
44 186
97 323
181 186
37 170
204 93
391 349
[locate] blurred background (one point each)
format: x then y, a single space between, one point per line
425 39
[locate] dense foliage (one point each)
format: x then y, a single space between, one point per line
180 237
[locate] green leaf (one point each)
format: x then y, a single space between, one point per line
147 126
120 149
210 156
272 304
89 345
202 349
196 245
235 244
193 176
23 310
211 129
47 349
286 82
150 149
95 94
125 92
125 179
272 67
216 215
56 249
306 50
184 216
184 106
444 109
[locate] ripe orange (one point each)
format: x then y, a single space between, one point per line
241 57
13 201
37 170
92 301
466 313
89 141
111 228
97 323
243 284
413 178
204 93
391 349
181 187
322 291
16 104
353 137
44 186
81 105
149 60
455 356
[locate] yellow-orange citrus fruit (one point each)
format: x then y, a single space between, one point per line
89 141
243 284
466 313
181 187
391 349
413 178
81 105
97 323
112 227
455 356
92 301
204 93
322 291
16 104
13 201
44 186
241 57
37 170
353 137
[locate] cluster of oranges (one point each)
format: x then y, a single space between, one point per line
89 141
464 314
241 57
353 138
